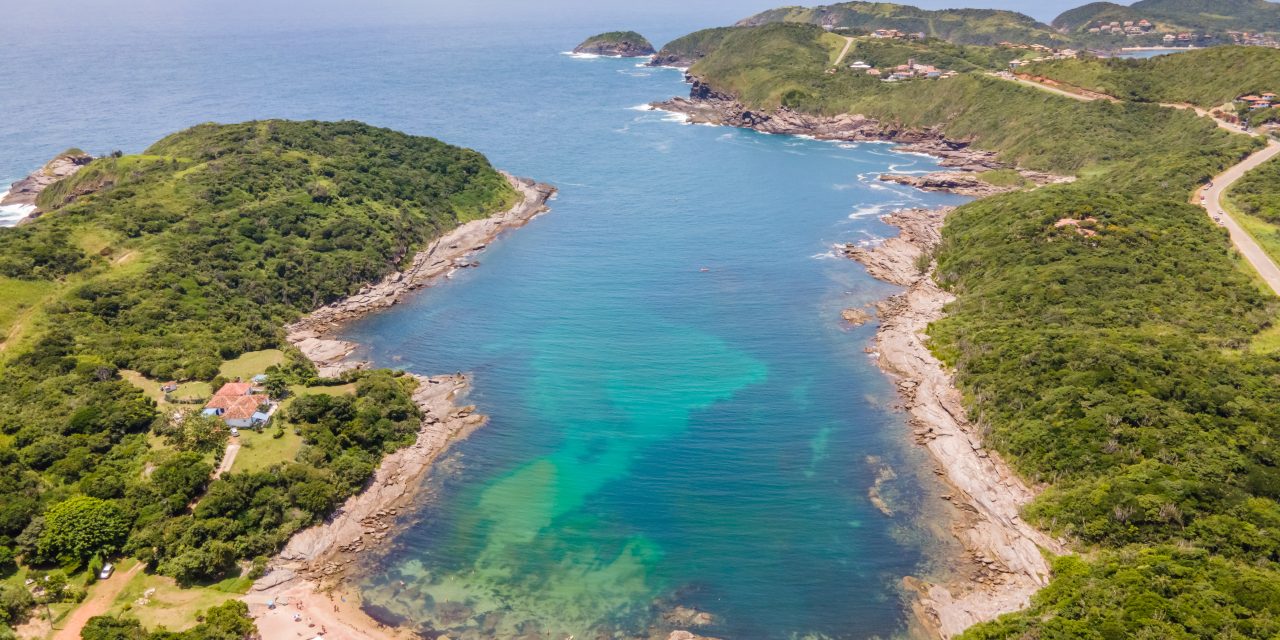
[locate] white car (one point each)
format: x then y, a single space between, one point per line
107 570
235 433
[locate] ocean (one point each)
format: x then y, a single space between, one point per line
680 419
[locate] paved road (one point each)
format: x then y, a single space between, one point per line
1244 243
101 595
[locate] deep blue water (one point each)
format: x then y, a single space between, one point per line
679 416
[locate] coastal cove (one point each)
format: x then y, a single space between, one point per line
696 433
681 420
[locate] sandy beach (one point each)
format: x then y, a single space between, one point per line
1005 565
305 593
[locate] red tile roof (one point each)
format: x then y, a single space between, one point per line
244 407
235 389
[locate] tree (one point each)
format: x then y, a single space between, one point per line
15 602
81 526
112 628
194 431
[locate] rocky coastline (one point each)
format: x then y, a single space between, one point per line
24 192
1004 566
971 184
313 334
705 105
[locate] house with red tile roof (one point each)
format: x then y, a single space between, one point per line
239 404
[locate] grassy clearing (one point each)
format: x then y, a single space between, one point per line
20 298
171 606
251 364
187 393
258 451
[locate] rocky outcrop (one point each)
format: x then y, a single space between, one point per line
624 44
312 334
26 190
903 258
705 105
678 61
971 184
1005 565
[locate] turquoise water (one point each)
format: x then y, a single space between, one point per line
679 416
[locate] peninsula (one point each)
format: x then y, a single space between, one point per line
153 281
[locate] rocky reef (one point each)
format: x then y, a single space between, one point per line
625 44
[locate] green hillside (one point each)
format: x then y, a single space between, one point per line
1131 372
1213 16
1207 77
685 50
168 263
962 26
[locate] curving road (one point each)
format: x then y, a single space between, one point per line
1244 243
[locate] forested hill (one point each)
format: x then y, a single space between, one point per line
1132 371
163 265
1213 16
961 26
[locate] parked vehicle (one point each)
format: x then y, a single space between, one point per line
107 570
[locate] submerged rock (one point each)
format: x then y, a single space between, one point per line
855 317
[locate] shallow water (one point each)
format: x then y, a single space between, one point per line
679 416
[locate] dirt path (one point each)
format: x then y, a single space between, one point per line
848 42
228 459
1044 87
1244 243
101 595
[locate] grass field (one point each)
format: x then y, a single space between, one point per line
251 364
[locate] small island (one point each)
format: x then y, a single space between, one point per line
625 44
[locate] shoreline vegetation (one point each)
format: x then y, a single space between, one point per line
314 566
1049 320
